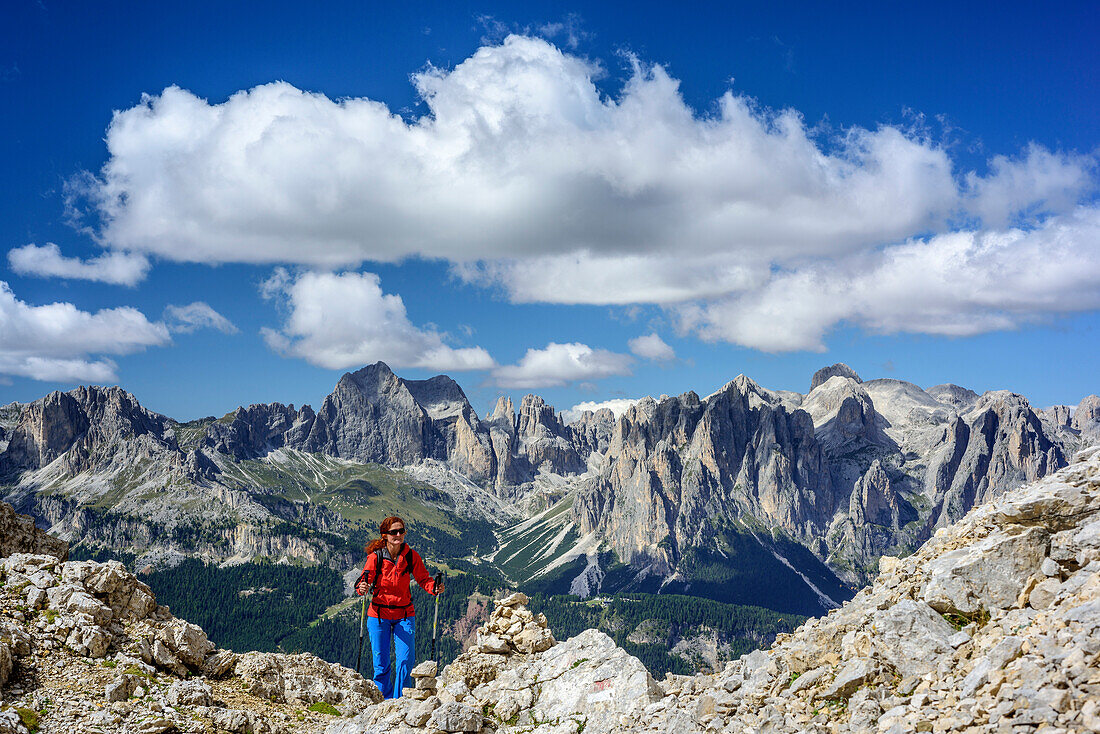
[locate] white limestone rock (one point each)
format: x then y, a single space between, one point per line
190 693
305 679
987 574
455 717
912 637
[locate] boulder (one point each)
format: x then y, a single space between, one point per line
122 687
987 574
533 639
494 644
89 641
514 600
71 598
454 717
591 677
304 679
187 641
219 663
911 637
854 674
190 693
426 669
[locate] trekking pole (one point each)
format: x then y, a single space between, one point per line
362 622
435 622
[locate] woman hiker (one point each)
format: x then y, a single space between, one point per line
391 615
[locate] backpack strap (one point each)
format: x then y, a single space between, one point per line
377 572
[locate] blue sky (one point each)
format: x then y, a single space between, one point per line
572 200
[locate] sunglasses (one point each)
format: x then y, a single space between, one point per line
398 531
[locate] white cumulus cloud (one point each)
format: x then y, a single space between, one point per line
197 315
58 342
955 284
524 176
116 267
342 320
559 364
1036 184
519 154
652 347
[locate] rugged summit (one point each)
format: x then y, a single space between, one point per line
676 466
85 426
683 493
374 416
837 370
849 472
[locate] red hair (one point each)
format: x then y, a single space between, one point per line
382 530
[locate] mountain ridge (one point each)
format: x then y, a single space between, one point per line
821 484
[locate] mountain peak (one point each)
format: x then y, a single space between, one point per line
439 396
825 373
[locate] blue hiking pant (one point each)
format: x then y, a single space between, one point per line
402 632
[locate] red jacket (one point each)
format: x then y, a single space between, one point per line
392 599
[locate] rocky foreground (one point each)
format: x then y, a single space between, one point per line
992 626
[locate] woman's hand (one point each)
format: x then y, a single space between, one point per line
361 588
438 589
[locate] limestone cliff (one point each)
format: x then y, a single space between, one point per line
678 470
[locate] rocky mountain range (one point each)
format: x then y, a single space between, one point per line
993 625
683 494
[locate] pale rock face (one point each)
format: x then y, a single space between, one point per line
592 431
1060 415
955 396
1086 418
87 425
999 444
257 430
675 467
46 429
906 406
874 500
837 370
844 415
371 416
544 439
471 452
989 574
